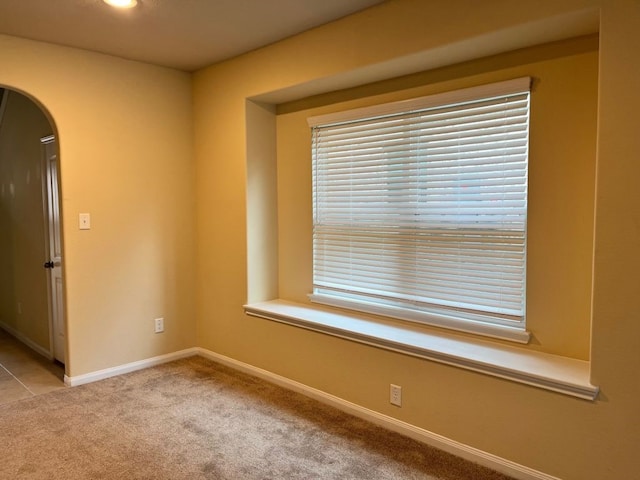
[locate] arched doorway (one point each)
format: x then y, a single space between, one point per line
31 285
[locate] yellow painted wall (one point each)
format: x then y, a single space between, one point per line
552 433
125 139
23 281
561 186
128 157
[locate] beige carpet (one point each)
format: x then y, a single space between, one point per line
195 419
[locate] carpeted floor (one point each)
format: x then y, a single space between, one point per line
195 419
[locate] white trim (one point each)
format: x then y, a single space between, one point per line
29 343
507 467
461 450
128 367
493 330
508 87
550 372
44 165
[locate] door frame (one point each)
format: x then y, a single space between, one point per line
54 308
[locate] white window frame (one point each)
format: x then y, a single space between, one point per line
460 318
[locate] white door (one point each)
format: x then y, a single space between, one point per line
54 264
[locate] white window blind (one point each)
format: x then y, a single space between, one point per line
420 208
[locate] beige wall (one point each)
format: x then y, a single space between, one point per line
558 435
125 139
561 185
127 157
23 281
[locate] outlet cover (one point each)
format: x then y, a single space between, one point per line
159 325
395 395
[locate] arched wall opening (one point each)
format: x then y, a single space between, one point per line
31 286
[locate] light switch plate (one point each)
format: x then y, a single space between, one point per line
84 221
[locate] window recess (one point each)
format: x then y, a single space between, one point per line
420 209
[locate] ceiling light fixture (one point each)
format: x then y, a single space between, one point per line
121 3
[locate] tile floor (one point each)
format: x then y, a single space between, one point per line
25 373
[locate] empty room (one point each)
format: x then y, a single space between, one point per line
319 239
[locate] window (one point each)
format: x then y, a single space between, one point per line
420 209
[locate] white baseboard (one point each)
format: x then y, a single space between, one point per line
128 367
28 342
461 450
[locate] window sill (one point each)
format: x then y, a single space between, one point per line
433 319
551 372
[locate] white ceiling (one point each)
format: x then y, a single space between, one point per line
183 34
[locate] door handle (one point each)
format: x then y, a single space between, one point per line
48 264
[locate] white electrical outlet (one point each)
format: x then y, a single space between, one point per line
159 325
395 395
